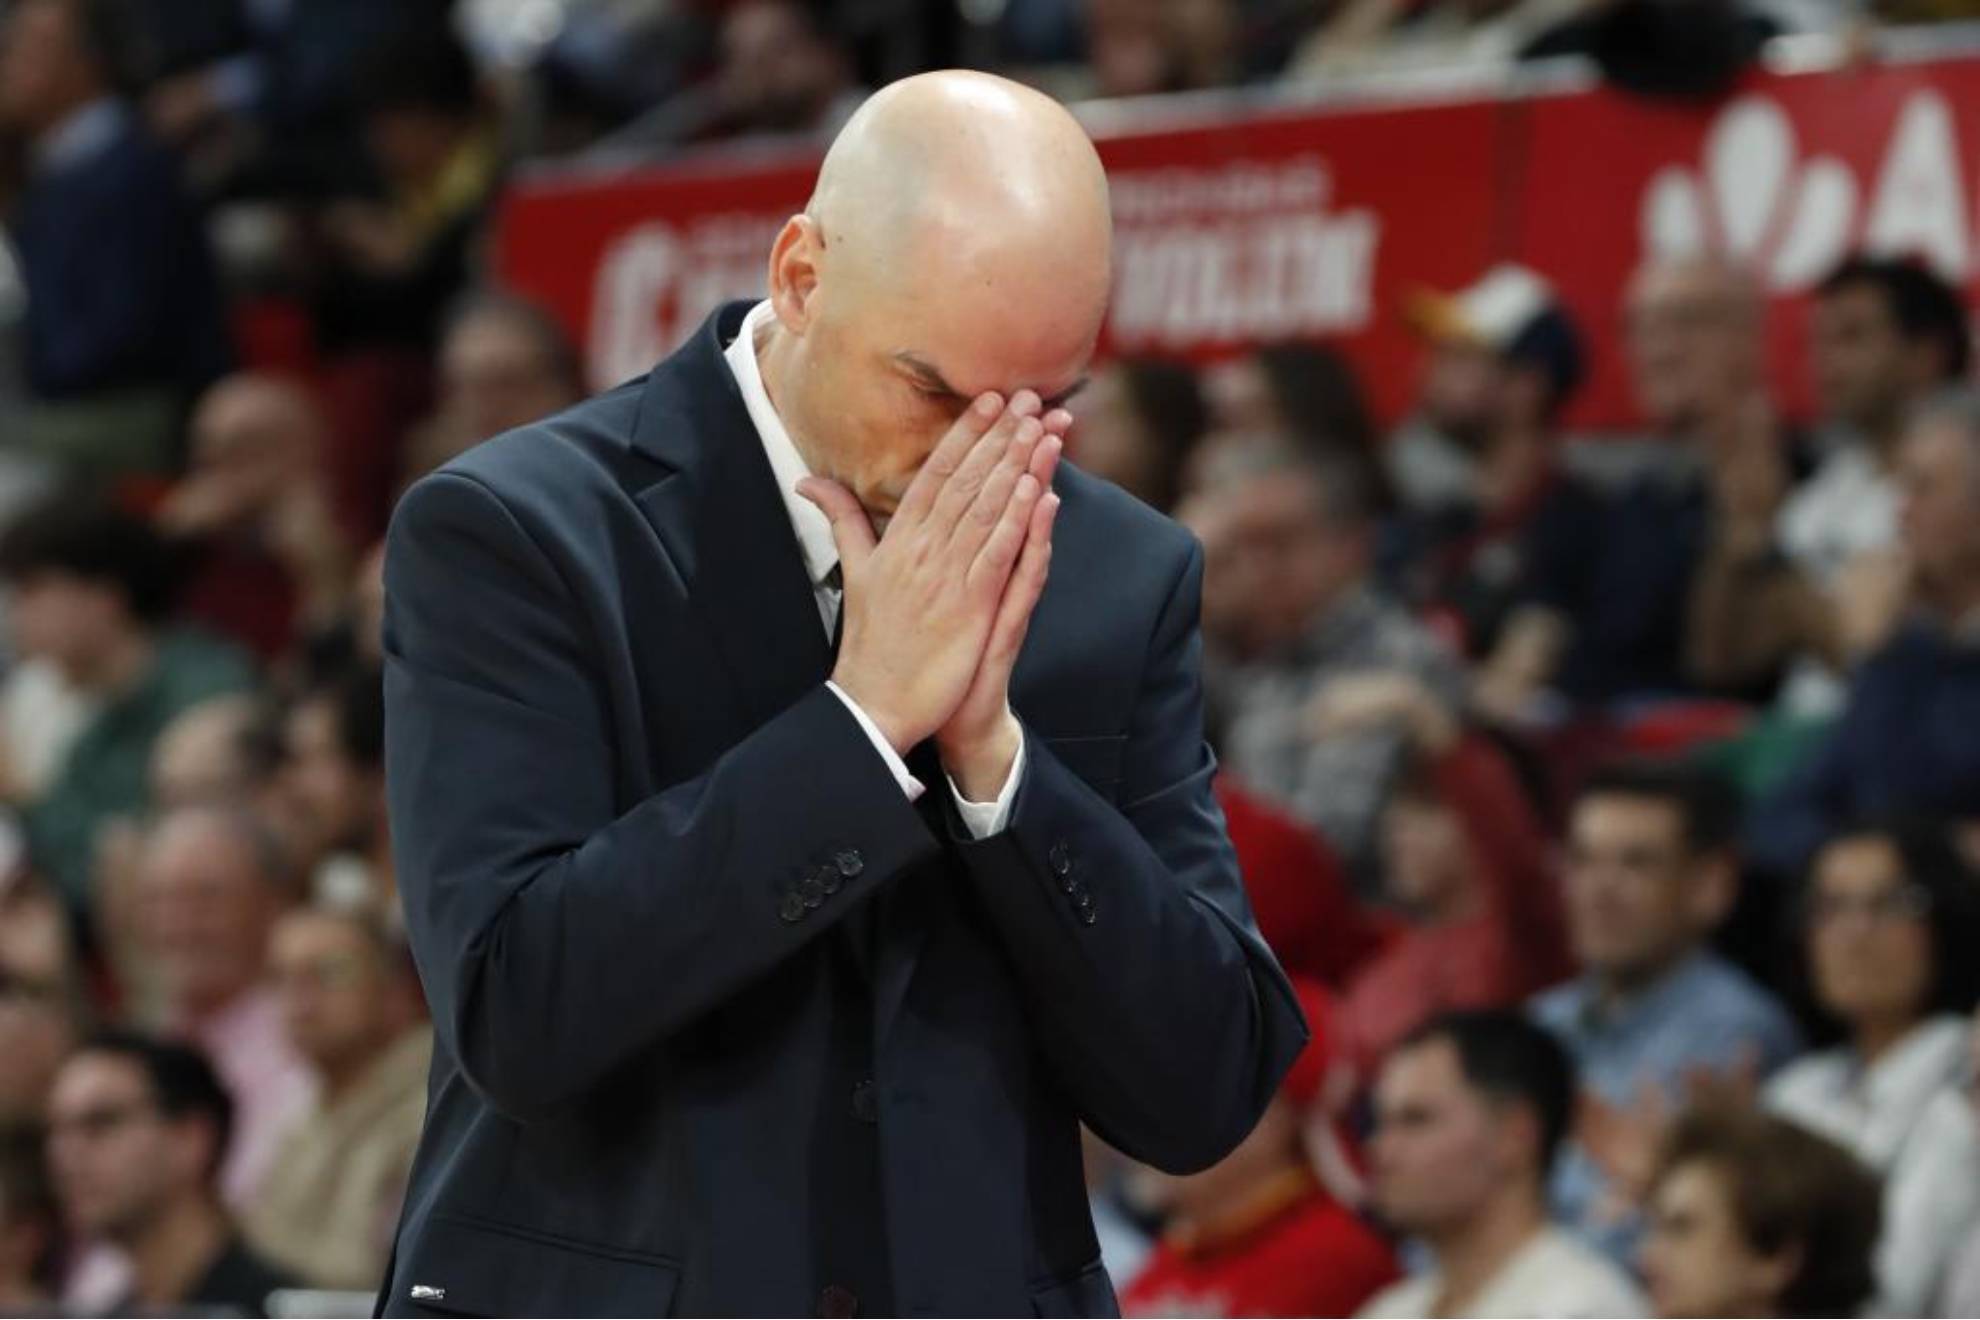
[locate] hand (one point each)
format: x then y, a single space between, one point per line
1361 702
1870 596
979 743
920 602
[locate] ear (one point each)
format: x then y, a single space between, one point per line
795 259
1772 1274
1714 890
193 1149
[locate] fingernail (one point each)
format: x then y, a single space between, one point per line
989 406
1024 403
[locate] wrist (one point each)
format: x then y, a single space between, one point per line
980 763
900 735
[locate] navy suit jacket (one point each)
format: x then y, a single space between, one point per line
635 835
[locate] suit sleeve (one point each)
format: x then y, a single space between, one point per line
1160 1008
558 934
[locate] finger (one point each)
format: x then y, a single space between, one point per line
1021 596
1045 459
959 490
852 530
1058 421
995 496
947 456
991 568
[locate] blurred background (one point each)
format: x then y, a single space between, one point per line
1573 399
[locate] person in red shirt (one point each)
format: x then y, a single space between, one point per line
1258 1234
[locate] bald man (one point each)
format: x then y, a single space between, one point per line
792 863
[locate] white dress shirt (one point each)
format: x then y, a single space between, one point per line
1552 1277
821 556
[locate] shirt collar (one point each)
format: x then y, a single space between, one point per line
86 133
1925 1061
814 530
1661 998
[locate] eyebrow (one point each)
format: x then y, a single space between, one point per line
927 373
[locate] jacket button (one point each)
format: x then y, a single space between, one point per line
837 1302
866 1105
809 888
829 879
1083 900
792 908
1060 859
1068 885
850 864
1086 917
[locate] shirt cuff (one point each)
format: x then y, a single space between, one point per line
984 819
911 786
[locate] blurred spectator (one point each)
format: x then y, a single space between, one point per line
1961 1295
1256 1234
1139 420
124 319
1750 1215
1149 47
398 261
254 508
30 1224
1464 859
41 716
1476 469
332 790
91 594
1306 394
330 1201
1469 1112
1289 608
137 1131
1807 587
1692 49
211 884
504 362
1655 1015
783 70
1370 36
40 1000
1900 748
214 754
1893 923
1609 579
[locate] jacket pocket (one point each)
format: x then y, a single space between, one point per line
465 1266
1089 1292
1096 759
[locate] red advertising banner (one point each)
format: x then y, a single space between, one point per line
1257 225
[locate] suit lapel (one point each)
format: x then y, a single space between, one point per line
719 513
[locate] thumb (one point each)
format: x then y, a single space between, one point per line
852 530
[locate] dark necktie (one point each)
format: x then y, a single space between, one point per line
836 581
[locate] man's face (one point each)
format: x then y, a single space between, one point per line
1278 564
250 443
776 75
1939 486
1441 1147
113 1157
332 798
1459 391
1630 882
1693 345
494 378
44 70
65 620
333 988
1858 356
204 910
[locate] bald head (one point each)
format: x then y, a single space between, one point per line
1695 344
958 241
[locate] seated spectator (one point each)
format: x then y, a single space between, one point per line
1805 588
1893 924
1289 607
1684 49
1750 1215
211 884
91 594
1464 860
1655 1014
1374 36
331 1197
1256 1234
504 362
1898 750
1305 395
1961 1295
1139 420
30 1225
1602 616
783 70
213 754
1469 1112
124 319
270 560
41 999
332 790
137 1131
1140 49
1475 470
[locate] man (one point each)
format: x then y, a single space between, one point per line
504 363
211 882
1291 609
1479 468
326 1208
1655 1015
1790 581
1469 1112
92 595
136 1134
1896 750
760 993
124 318
1602 615
41 999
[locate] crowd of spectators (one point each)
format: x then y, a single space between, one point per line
1609 799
